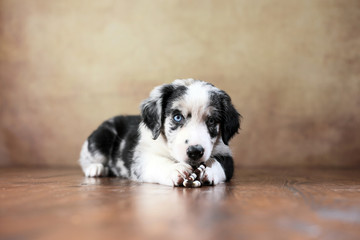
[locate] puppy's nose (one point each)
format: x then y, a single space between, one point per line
195 152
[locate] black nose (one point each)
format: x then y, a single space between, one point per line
195 152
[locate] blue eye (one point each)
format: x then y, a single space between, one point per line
178 118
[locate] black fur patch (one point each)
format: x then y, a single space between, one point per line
151 118
176 93
150 111
127 128
227 163
108 137
211 124
101 140
229 117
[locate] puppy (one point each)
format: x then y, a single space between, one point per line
182 124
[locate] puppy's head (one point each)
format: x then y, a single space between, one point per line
193 116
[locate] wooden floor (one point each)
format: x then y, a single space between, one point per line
257 204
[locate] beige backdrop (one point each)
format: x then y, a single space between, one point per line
292 68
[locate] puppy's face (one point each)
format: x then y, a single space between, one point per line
193 116
192 124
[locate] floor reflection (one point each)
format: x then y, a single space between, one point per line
180 211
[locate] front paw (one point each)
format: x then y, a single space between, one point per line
213 175
178 172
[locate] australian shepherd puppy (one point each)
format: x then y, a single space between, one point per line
182 124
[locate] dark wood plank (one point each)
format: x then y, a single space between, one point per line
258 203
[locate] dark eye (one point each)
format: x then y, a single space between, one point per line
211 121
178 118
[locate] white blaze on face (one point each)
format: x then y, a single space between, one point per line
194 106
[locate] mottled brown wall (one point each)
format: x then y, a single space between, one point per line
291 67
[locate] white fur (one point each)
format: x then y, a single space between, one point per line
163 161
123 170
196 133
94 170
153 162
214 172
92 164
195 102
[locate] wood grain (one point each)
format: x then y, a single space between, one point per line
256 204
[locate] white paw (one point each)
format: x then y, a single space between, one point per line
95 170
213 175
179 172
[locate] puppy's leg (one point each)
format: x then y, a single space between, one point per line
92 163
162 170
96 150
218 169
179 172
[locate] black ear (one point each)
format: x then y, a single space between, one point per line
151 116
152 109
230 118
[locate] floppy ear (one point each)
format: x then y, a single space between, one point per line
152 109
230 118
